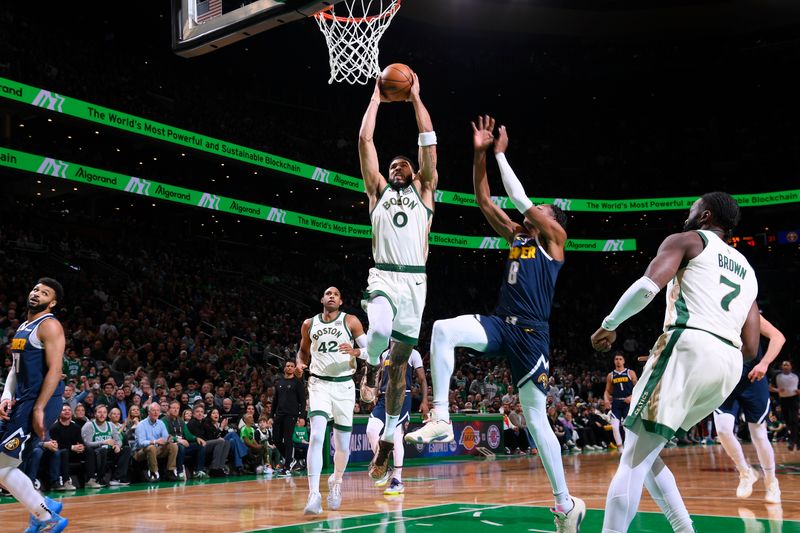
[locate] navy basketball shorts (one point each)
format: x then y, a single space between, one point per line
17 435
619 409
527 350
379 411
751 398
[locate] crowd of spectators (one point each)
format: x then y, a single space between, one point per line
173 360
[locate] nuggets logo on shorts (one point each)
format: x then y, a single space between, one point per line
13 444
542 379
469 438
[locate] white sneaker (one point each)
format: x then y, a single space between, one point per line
434 430
314 505
773 494
335 494
746 481
93 484
571 521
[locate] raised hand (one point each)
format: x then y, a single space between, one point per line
602 339
501 143
413 93
377 95
482 136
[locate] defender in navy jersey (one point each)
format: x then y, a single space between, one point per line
394 476
750 398
31 400
619 388
519 328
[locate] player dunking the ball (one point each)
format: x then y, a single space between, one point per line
31 401
401 209
327 347
711 320
619 386
519 328
751 396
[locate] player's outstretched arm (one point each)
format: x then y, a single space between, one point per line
550 229
482 139
52 335
428 175
776 342
304 350
374 182
662 268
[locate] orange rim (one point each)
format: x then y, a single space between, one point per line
355 20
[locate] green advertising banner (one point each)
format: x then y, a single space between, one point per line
152 189
30 95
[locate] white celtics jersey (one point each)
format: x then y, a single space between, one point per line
326 359
714 292
400 227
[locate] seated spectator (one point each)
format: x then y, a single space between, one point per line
777 429
134 417
252 439
555 425
188 446
603 433
300 441
518 419
152 442
108 397
511 434
104 450
267 439
249 409
571 433
68 436
211 439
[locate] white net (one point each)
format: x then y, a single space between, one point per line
353 37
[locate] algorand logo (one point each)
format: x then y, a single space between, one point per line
563 203
210 201
138 186
438 195
614 245
276 215
52 167
490 243
320 174
51 101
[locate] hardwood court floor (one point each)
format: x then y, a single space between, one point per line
503 495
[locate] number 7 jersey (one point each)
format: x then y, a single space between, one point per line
326 359
713 292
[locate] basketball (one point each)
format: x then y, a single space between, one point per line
396 81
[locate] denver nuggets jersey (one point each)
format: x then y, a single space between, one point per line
713 292
326 359
414 362
400 227
30 361
529 282
621 384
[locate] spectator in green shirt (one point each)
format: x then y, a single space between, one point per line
300 440
254 446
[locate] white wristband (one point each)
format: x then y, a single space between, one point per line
427 138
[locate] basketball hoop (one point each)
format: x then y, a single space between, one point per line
353 37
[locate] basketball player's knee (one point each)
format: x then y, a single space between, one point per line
441 334
380 332
758 432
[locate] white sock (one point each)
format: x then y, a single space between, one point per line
374 428
766 455
725 423
464 331
390 427
342 455
625 492
399 453
316 440
21 487
381 316
661 485
534 407
615 431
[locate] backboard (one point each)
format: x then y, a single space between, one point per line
202 26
